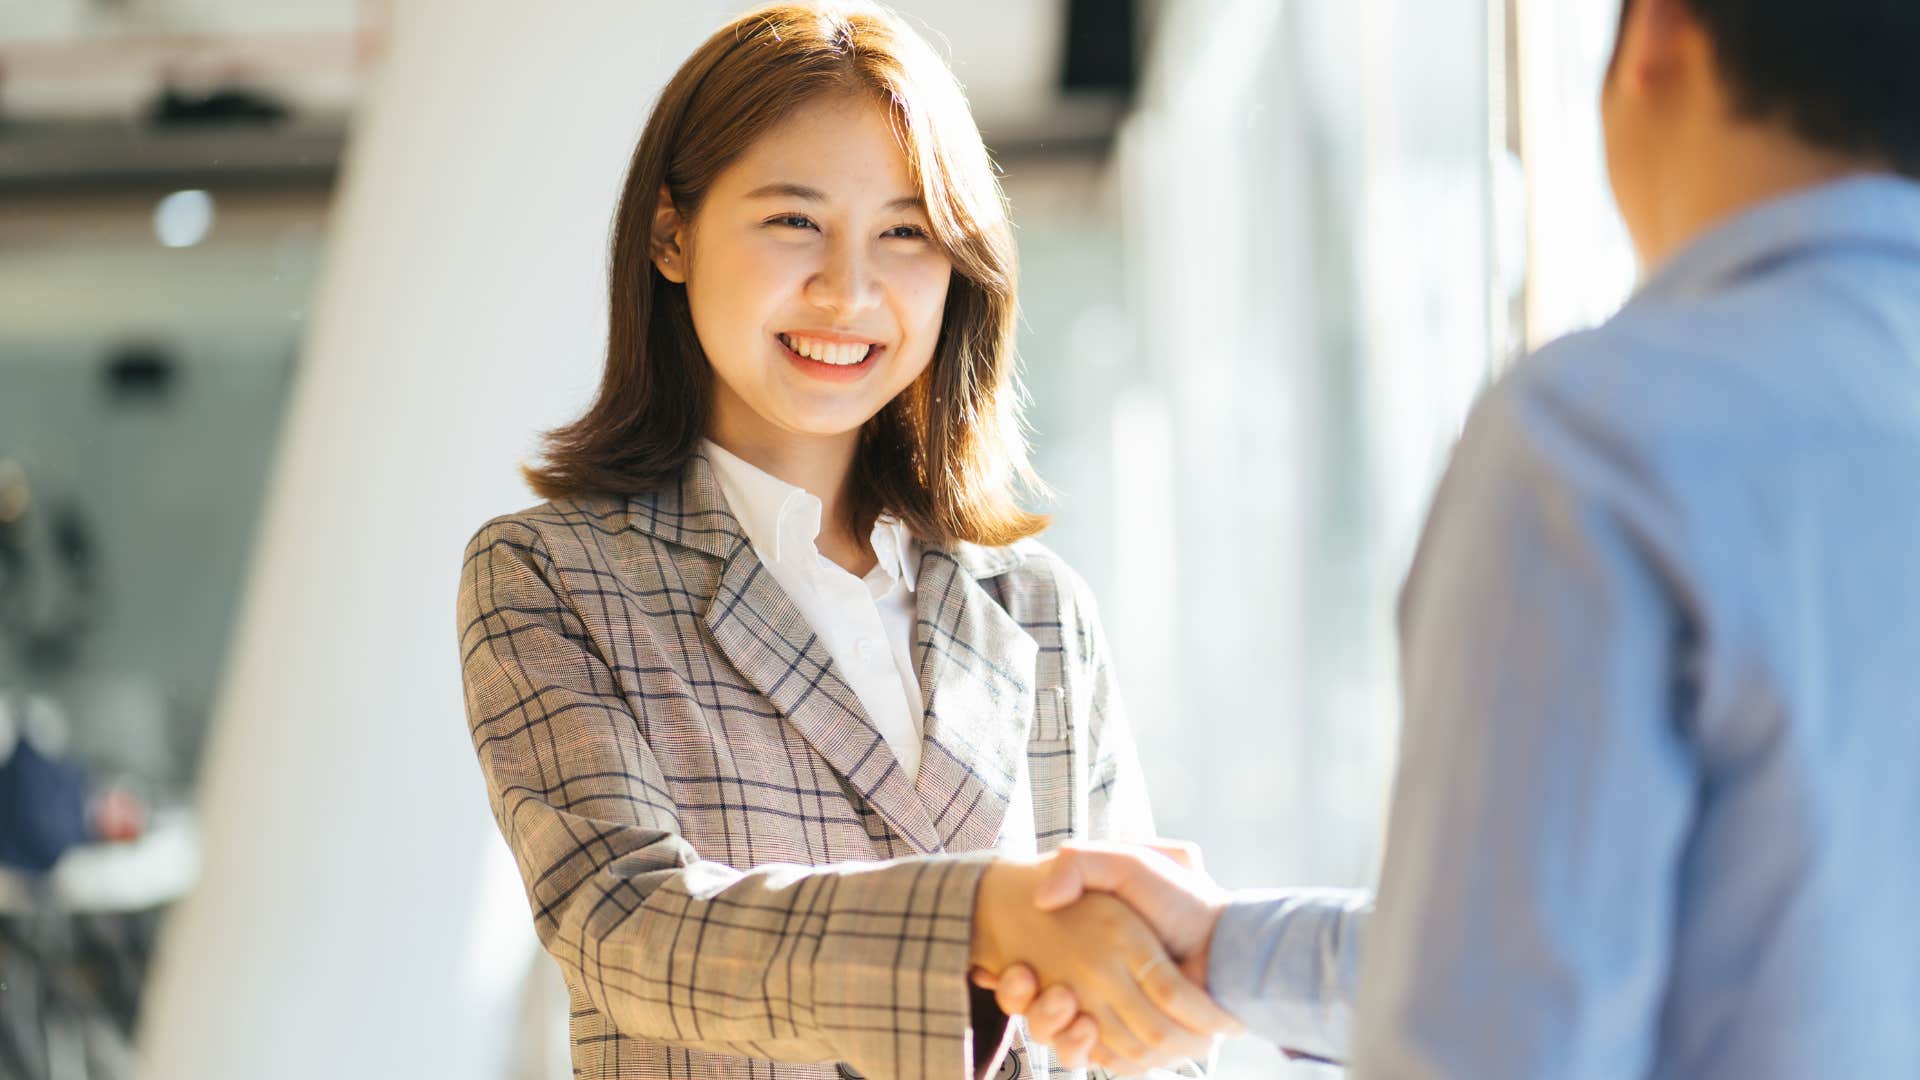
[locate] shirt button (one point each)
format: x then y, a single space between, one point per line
867 648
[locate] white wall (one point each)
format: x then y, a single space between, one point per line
358 917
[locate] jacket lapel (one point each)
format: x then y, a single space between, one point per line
763 634
760 630
976 666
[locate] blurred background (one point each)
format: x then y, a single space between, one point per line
287 289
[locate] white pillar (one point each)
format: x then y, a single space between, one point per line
358 916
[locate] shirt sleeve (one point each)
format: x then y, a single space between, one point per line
861 962
1545 787
1286 963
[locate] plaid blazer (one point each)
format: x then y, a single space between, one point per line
733 873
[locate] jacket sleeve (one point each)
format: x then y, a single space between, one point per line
863 963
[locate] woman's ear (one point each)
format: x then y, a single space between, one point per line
667 244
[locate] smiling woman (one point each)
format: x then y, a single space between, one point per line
777 669
815 285
743 126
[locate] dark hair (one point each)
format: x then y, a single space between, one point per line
1844 75
946 454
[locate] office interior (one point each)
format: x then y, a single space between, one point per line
289 289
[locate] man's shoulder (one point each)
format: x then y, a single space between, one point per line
1668 384
1811 349
1602 419
1641 369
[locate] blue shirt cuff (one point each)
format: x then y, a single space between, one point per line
1286 964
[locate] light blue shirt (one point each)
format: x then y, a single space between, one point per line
1658 805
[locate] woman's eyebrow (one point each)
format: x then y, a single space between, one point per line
784 189
787 190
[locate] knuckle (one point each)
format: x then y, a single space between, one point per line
1159 1033
1102 909
1118 1040
1058 1001
1159 984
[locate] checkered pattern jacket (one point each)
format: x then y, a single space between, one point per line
733 873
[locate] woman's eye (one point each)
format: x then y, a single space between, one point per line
793 221
906 232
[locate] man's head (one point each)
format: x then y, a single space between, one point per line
1714 104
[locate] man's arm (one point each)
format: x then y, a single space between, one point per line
1286 963
1283 963
1545 789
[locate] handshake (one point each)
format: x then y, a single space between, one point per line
1103 948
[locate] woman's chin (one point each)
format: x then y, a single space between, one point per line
820 420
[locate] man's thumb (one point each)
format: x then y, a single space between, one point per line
1062 885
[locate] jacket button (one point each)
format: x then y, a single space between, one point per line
847 1073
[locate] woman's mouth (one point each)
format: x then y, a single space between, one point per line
826 358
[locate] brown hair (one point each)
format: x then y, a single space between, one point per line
946 454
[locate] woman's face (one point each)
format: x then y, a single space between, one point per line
815 286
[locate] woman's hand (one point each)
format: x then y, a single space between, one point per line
1118 973
1053 1017
1163 883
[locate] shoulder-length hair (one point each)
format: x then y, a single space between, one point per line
946 454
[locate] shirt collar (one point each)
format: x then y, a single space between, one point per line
782 521
1871 211
893 545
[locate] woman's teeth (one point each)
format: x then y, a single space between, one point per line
827 352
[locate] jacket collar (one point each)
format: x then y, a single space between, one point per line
976 667
688 511
692 512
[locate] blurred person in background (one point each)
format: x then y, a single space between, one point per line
1655 813
49 572
48 575
777 670
43 797
48 804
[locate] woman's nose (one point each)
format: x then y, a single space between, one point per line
846 285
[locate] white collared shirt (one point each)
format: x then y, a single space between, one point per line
865 623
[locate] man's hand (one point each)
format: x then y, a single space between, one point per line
1163 884
1148 1014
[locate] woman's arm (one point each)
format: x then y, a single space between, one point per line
863 963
